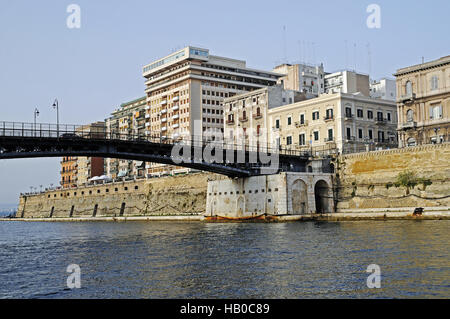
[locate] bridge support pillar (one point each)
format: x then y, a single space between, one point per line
287 193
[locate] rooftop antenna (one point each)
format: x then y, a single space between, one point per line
346 54
423 60
284 44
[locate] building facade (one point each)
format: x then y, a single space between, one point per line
69 172
246 114
88 167
347 82
423 100
127 119
185 92
305 78
383 89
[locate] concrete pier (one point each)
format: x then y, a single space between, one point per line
286 193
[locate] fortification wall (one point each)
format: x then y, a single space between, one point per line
363 179
166 196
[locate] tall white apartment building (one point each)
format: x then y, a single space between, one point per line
188 87
385 89
305 78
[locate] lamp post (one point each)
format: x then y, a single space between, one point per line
36 114
56 105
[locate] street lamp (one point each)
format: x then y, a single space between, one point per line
36 114
56 106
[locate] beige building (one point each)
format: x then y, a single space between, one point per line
423 100
305 78
347 82
128 119
246 114
343 122
188 87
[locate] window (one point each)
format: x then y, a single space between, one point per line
289 120
360 133
316 135
408 88
434 82
410 115
370 134
302 119
370 115
359 113
388 116
330 134
289 140
380 116
349 133
348 112
435 112
277 123
380 136
315 115
301 139
329 114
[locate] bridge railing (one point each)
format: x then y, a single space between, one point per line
76 132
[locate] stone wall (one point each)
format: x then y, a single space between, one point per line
362 179
166 196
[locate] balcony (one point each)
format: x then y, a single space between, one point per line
175 117
408 98
176 98
329 140
176 126
176 108
230 121
349 117
163 120
163 112
243 119
257 116
276 128
380 121
408 125
147 124
164 128
299 124
350 139
163 102
147 116
328 118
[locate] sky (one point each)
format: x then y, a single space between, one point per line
91 70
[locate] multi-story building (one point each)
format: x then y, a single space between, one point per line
185 92
69 171
423 101
383 89
245 114
305 78
332 122
128 119
345 122
88 167
347 82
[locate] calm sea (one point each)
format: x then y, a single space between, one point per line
203 260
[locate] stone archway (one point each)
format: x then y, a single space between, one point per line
299 197
322 197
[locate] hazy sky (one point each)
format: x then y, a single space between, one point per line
93 69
